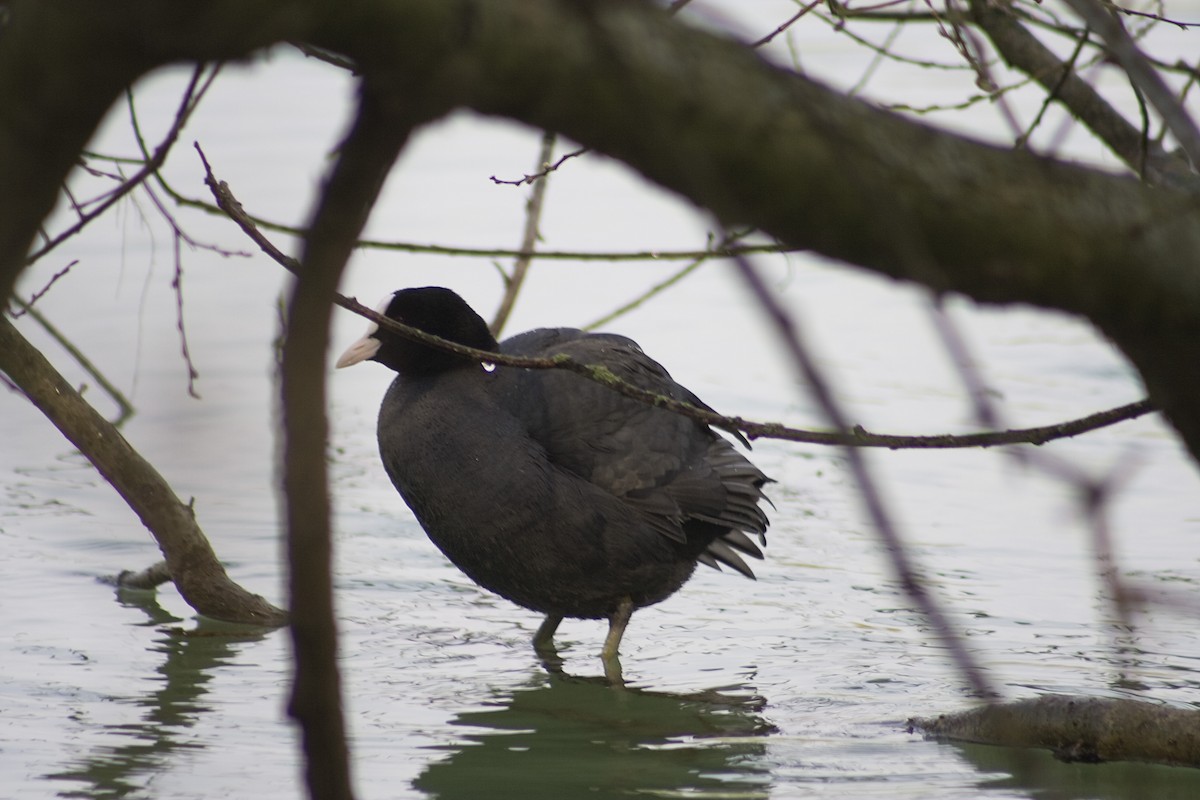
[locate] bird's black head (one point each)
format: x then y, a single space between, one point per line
431 309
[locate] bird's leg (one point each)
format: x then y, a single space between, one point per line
612 643
616 628
543 644
544 638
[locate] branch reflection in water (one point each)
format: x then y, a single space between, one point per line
1038 774
190 659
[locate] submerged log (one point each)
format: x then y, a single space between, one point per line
1075 728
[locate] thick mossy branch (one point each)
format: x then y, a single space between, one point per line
1078 729
856 437
192 564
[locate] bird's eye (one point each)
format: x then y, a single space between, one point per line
488 366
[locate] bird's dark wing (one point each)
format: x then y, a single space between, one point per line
673 470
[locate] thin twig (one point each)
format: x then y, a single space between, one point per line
659 287
529 238
40 293
546 169
486 252
177 286
792 20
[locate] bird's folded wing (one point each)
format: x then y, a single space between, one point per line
671 469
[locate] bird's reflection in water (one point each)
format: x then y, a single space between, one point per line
575 737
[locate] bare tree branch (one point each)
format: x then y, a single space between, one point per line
1143 75
191 97
972 673
193 565
125 408
1024 51
529 238
380 130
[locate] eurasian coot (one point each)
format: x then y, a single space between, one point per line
547 488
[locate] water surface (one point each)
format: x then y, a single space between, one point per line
796 685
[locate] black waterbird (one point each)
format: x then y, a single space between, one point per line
547 488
